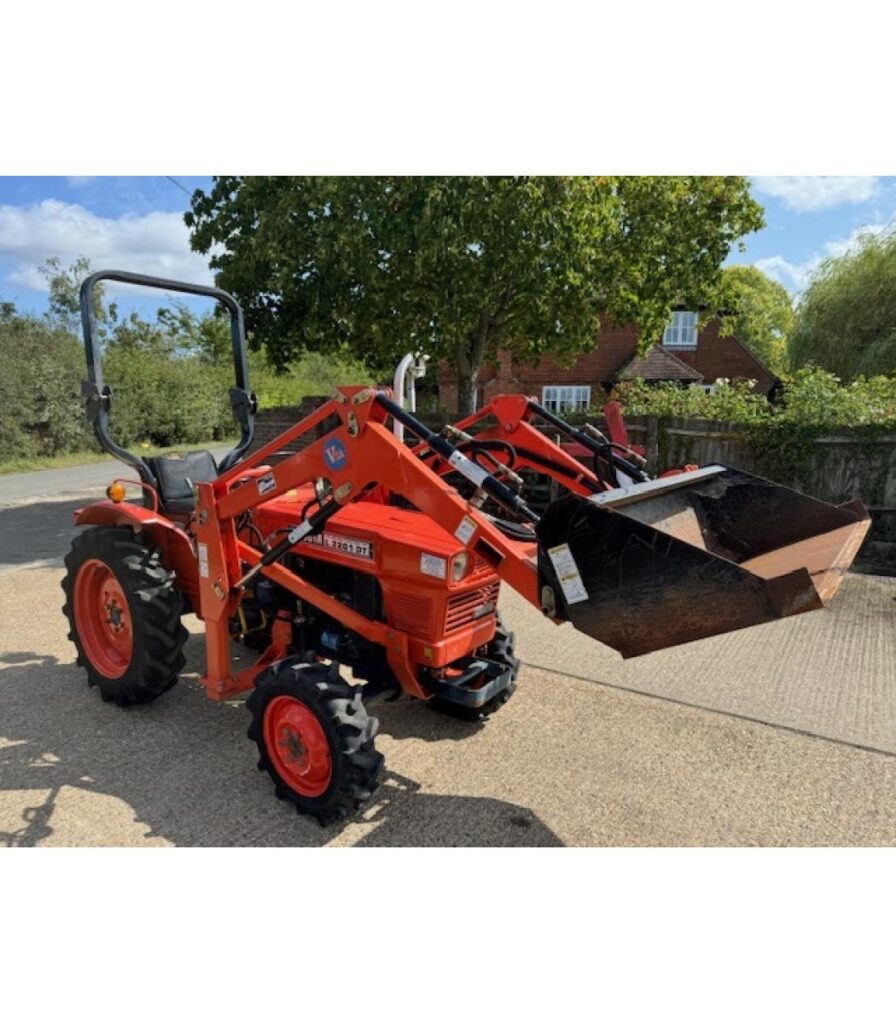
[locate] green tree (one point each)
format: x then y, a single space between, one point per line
207 336
41 410
64 303
457 266
846 318
762 314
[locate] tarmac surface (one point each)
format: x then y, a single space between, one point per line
783 734
69 480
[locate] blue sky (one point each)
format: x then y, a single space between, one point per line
125 223
136 223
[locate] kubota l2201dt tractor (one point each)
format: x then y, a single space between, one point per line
381 546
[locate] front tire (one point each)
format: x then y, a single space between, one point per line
125 615
501 649
314 738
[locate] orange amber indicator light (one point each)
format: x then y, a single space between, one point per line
115 492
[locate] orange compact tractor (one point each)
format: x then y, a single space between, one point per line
380 545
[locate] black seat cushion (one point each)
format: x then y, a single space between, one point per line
176 475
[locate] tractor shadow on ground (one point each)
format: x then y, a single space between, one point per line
42 530
181 771
405 719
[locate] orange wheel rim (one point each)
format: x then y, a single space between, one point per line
103 619
297 746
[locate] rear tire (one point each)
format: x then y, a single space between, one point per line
315 738
125 615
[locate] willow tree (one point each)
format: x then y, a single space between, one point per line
846 318
460 266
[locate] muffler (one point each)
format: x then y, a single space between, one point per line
691 555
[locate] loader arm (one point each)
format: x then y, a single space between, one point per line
504 430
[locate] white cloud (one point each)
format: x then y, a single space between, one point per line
818 192
843 245
156 243
796 276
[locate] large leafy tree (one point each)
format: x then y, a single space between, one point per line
456 266
762 314
846 318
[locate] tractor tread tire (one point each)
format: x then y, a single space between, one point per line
350 731
155 607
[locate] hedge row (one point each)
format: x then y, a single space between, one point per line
162 397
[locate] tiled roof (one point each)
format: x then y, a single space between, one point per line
658 364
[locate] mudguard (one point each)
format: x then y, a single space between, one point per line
175 545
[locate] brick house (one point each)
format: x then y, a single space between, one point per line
685 355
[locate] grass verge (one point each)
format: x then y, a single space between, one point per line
88 458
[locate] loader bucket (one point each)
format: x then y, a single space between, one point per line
690 556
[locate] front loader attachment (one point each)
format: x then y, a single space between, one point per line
691 555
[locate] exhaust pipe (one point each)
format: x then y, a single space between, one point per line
692 555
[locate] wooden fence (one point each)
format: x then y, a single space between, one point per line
838 467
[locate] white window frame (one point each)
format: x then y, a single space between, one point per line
682 330
559 398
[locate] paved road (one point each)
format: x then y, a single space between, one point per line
71 480
783 734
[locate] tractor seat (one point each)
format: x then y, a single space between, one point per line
176 475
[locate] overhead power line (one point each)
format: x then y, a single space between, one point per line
175 182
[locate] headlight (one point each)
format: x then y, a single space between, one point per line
459 566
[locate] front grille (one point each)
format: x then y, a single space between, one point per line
464 609
412 614
480 568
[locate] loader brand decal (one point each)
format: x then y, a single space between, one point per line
345 545
568 574
432 565
335 454
266 484
466 530
202 555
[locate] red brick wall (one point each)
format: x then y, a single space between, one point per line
269 423
714 357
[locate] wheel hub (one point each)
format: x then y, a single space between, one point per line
115 620
293 749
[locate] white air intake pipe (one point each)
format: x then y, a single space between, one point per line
404 391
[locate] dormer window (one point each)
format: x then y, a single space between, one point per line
682 330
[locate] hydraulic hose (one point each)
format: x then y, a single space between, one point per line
473 472
604 450
526 454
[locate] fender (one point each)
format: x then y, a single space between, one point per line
174 543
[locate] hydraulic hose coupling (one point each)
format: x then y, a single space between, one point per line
499 469
598 435
450 431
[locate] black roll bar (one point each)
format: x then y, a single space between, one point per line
99 396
